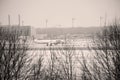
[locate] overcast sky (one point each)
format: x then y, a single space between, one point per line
59 12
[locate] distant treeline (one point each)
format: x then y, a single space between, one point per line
62 31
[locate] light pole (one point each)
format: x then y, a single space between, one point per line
46 23
46 26
105 18
100 21
9 20
19 20
73 19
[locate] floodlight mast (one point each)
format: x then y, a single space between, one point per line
73 21
19 20
9 23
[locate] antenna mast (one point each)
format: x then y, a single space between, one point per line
9 20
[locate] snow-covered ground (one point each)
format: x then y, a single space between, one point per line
60 54
76 42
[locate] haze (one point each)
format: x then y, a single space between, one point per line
59 13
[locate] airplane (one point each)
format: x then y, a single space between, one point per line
49 42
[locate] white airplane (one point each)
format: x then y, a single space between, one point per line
49 42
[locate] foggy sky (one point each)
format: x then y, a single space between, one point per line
59 12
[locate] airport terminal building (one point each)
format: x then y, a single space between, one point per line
28 31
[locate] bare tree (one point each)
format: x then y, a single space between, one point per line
108 58
106 62
37 70
66 62
13 57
